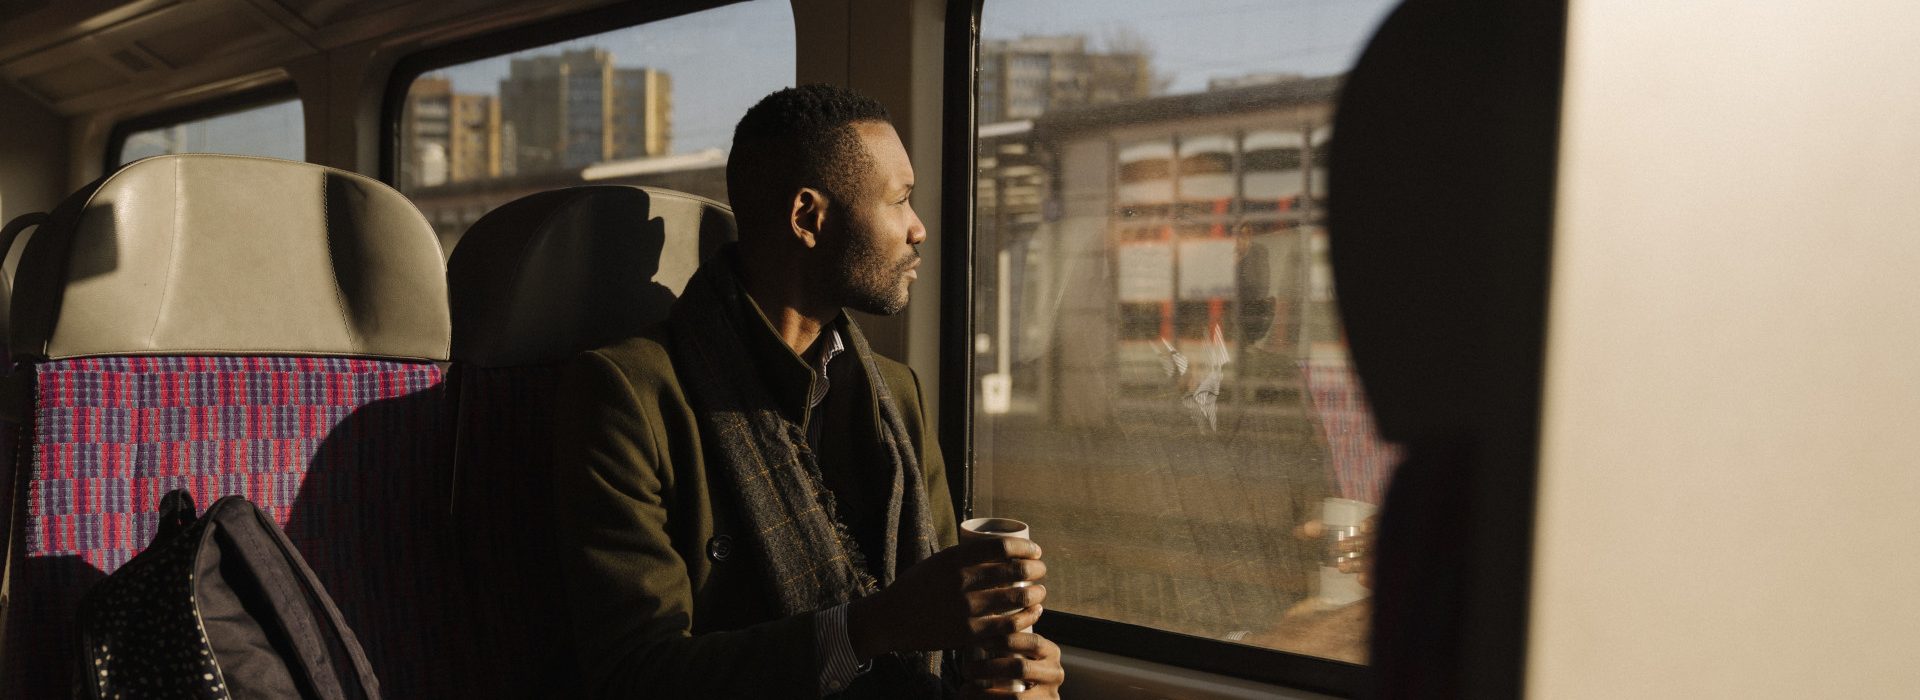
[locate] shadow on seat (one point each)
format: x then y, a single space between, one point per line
532 284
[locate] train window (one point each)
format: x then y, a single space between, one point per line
1163 391
648 104
267 122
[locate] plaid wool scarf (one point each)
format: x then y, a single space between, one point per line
809 554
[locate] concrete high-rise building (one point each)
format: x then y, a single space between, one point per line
558 109
1027 77
448 136
428 123
642 113
575 109
473 151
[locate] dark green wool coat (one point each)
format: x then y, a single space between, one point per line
665 602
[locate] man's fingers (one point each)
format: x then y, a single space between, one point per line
1025 644
1022 620
975 691
1024 570
999 600
994 670
1310 530
988 627
997 670
1003 573
1031 660
996 549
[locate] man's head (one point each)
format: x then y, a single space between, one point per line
817 174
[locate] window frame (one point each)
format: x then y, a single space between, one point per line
223 105
505 41
1243 661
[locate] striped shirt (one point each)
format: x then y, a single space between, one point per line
833 646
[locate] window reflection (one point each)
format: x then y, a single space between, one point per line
1184 432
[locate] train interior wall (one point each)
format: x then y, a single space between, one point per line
33 149
1727 468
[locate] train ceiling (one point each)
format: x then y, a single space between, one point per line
81 56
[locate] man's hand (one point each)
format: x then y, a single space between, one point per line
959 596
1354 554
1020 656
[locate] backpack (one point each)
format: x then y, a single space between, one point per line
217 607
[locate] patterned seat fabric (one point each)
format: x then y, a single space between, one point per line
235 325
329 447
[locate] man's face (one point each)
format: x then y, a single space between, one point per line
874 257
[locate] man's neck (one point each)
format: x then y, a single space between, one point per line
784 297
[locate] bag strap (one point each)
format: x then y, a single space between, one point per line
11 232
252 542
176 513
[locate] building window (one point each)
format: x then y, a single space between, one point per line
598 109
267 123
1183 429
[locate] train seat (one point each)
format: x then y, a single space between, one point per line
13 392
532 284
19 229
234 325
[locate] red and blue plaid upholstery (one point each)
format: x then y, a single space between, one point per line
347 455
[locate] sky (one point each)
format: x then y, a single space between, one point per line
261 131
1194 40
724 59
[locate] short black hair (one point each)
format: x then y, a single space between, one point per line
797 137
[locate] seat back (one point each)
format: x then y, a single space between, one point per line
13 409
10 234
234 325
532 284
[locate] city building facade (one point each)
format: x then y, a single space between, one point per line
427 124
576 108
473 151
1030 76
642 120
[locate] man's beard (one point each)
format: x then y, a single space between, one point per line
868 281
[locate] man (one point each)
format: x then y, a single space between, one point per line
751 500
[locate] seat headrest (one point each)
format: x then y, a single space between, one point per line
232 255
1442 281
550 275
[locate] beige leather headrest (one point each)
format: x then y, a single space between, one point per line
550 275
232 255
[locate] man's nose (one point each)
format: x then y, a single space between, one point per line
917 232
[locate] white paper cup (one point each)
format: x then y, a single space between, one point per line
984 528
980 528
1342 518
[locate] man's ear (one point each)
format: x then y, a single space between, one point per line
808 216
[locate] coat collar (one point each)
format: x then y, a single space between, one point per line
788 377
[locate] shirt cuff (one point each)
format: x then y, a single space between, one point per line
838 666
